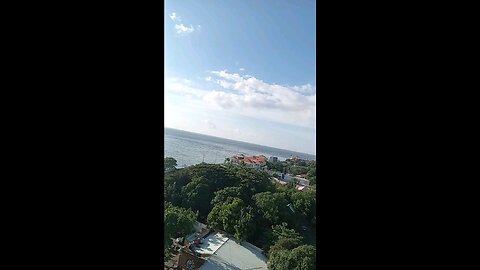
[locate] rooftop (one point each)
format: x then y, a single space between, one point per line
232 255
253 159
211 243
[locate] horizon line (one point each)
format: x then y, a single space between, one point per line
242 141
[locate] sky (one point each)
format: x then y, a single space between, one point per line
242 70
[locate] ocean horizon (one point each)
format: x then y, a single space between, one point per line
190 148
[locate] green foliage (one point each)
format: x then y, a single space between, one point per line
245 226
304 203
303 257
169 163
279 260
227 195
270 206
197 195
234 217
285 244
194 186
282 231
295 167
253 181
178 222
240 200
299 258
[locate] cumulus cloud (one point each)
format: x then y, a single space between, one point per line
306 89
182 29
174 17
249 96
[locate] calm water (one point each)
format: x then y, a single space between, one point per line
190 148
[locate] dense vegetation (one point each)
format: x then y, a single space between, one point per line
248 204
296 167
178 222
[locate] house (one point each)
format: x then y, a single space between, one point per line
188 261
287 177
302 181
227 253
293 158
273 159
256 162
203 250
221 251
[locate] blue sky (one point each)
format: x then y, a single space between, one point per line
243 70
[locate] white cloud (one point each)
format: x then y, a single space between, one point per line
249 96
182 29
174 17
242 69
305 89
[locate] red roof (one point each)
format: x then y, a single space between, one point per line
253 159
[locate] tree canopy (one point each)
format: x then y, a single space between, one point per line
169 163
299 258
242 201
235 217
178 222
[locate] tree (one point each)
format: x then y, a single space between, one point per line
169 164
304 203
282 231
284 244
303 257
279 260
227 195
233 217
226 215
270 206
254 181
245 226
299 258
178 222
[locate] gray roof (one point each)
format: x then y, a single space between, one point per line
228 254
231 255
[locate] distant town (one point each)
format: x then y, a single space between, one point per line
260 163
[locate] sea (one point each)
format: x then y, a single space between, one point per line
190 148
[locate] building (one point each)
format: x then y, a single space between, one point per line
273 159
188 261
287 177
302 181
293 158
226 253
218 250
256 162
